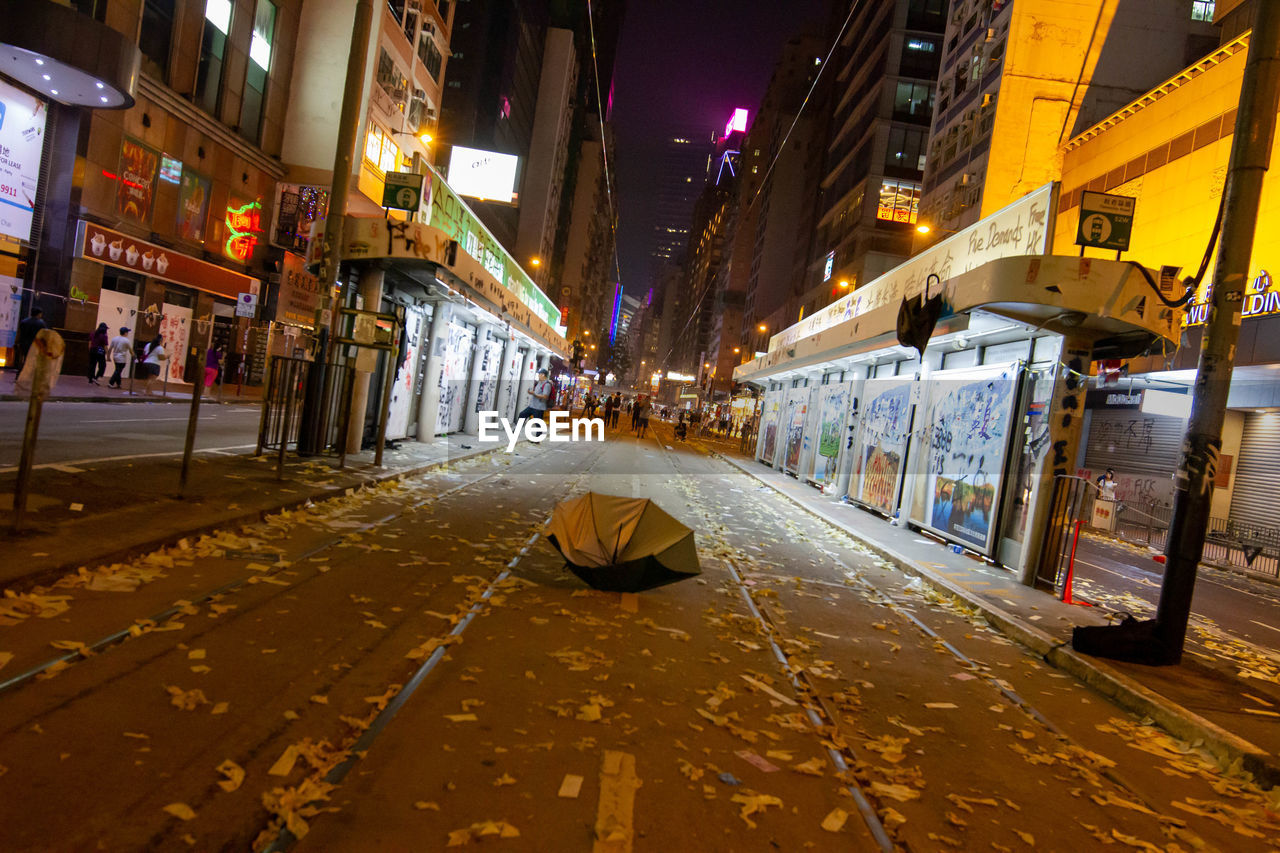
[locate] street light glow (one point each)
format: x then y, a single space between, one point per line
536 261
844 283
923 229
763 327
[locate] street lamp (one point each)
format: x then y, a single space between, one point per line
844 283
537 262
763 328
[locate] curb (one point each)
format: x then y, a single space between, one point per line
52 573
1124 691
239 401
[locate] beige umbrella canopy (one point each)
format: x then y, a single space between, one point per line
618 543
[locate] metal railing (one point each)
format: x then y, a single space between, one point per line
282 409
1253 548
1068 507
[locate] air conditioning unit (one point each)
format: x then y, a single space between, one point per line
421 95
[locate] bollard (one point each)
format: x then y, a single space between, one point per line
39 374
192 420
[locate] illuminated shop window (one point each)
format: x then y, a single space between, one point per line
1202 10
899 201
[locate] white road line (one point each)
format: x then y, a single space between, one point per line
1264 625
131 420
78 462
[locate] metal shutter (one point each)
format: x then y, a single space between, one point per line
1257 477
1133 442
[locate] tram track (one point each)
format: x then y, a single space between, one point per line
821 714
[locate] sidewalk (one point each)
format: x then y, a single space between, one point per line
1197 700
76 389
103 515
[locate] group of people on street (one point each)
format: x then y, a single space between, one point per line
150 362
611 406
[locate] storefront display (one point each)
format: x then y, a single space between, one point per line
963 439
881 447
768 439
833 407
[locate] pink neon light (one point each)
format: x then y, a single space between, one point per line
737 122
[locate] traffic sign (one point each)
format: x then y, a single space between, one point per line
1106 221
403 190
247 305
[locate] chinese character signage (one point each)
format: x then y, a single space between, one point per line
138 168
243 221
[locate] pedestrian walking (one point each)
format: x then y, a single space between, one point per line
27 331
608 410
213 366
98 343
634 408
119 349
540 396
617 409
154 360
642 407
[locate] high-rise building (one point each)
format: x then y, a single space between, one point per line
881 106
682 172
1006 104
491 95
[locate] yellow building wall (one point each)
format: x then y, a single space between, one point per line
1176 202
1052 51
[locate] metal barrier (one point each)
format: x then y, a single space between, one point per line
1072 498
282 409
1228 543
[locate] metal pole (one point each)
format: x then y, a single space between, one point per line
393 356
269 384
192 419
23 486
1161 641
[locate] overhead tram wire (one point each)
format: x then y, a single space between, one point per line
853 8
604 144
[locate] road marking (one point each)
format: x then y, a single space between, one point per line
618 783
130 420
66 469
77 462
1264 625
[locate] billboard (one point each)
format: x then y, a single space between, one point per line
792 428
139 166
22 141
486 175
882 443
768 438
967 418
833 408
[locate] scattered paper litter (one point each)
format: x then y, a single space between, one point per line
570 786
834 821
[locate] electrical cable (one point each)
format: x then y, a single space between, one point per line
604 144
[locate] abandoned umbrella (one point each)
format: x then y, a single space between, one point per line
622 544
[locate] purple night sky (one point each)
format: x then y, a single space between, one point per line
684 65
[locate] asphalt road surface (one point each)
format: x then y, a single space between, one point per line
87 435
412 666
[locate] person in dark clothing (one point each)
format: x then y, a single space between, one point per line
98 343
27 331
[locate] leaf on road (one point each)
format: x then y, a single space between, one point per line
182 811
284 764
901 793
220 708
570 787
320 700
813 767
754 803
187 700
504 780
196 654
835 819
234 773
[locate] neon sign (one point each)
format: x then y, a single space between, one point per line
738 121
617 308
244 224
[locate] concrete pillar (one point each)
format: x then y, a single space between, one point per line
470 418
429 402
507 378
522 381
1066 421
370 285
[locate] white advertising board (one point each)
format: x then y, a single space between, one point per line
21 146
486 175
